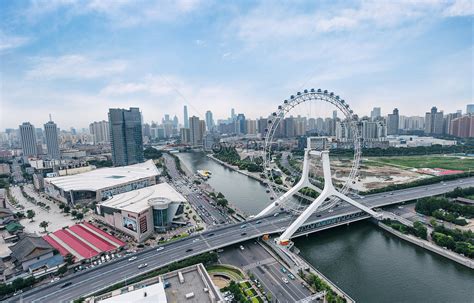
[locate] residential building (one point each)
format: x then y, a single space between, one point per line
185 117
393 122
209 121
52 140
196 130
470 109
434 122
28 139
462 127
376 113
100 131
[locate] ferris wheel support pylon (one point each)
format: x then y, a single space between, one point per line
328 191
302 183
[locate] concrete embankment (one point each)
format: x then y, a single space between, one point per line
430 246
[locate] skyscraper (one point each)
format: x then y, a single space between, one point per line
52 140
242 126
393 122
209 121
434 122
101 132
375 113
126 136
186 119
28 139
470 109
232 114
196 130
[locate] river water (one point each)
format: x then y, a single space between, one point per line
368 263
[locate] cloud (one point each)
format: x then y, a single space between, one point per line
460 8
74 67
269 21
8 42
120 13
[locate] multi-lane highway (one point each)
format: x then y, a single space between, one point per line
211 215
92 280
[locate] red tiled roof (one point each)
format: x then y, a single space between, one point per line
63 251
103 233
79 246
97 241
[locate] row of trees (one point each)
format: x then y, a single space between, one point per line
443 209
17 284
456 240
152 153
232 157
419 229
320 285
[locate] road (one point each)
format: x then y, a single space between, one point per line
92 280
255 259
210 214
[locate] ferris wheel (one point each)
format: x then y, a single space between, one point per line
279 193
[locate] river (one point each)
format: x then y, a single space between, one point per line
368 263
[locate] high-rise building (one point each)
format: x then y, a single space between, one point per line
241 124
232 114
185 116
289 130
393 122
28 139
447 121
470 109
52 140
262 125
251 127
434 122
209 121
185 135
100 131
376 113
462 127
126 136
196 130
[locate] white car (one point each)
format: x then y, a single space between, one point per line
132 259
142 265
160 248
285 280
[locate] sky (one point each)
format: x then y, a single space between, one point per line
74 59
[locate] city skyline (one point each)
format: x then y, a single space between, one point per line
220 55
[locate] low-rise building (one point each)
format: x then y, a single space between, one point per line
101 183
33 253
142 211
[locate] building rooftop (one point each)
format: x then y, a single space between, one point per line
105 177
30 247
140 199
148 294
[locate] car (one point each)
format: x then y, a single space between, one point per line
189 250
195 240
132 259
318 215
283 270
330 211
210 235
243 234
291 276
258 222
243 226
242 247
160 248
143 265
285 280
276 214
66 284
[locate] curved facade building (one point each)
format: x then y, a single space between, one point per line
141 212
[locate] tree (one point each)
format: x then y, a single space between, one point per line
30 214
74 212
69 258
62 270
44 225
67 209
79 216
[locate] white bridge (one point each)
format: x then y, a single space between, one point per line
328 191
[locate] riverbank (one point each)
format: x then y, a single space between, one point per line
248 174
429 246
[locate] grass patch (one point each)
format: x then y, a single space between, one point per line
250 292
455 163
230 271
245 284
256 300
